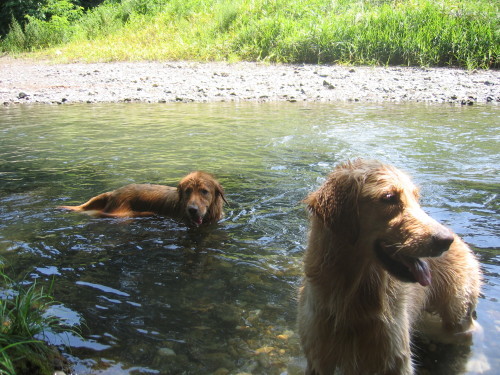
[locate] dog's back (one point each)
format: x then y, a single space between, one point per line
132 200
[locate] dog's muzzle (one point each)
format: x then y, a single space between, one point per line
195 215
410 268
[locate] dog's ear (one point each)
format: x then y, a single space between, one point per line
180 189
219 192
216 209
336 201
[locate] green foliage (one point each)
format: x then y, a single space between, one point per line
16 10
407 33
100 22
19 9
61 9
461 33
23 325
49 25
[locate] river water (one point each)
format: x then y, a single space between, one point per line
154 297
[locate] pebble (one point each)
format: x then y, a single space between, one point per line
265 349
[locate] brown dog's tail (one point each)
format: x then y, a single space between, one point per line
72 208
97 203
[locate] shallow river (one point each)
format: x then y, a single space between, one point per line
155 297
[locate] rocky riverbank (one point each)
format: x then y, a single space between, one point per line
25 81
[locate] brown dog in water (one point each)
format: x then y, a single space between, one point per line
198 199
375 261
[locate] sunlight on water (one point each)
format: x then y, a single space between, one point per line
158 297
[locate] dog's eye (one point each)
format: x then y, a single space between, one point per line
188 191
204 191
390 198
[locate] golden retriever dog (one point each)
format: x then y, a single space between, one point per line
374 263
198 199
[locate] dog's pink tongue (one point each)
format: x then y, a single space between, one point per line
199 221
420 269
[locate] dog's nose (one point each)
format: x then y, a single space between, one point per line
442 240
193 210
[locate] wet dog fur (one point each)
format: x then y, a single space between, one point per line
375 261
197 199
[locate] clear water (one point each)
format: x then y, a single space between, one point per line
156 297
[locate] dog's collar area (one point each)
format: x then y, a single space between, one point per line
404 268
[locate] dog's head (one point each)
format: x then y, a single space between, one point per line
202 197
376 208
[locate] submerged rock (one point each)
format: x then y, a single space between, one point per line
166 352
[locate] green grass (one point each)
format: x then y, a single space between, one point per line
464 33
23 325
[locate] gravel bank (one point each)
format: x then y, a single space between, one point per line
24 81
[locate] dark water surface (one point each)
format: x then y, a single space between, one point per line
156 297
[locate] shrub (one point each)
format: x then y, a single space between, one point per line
49 27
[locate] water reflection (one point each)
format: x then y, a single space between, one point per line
157 297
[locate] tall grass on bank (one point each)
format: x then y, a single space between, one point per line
464 33
23 325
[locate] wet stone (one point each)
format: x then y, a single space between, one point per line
166 352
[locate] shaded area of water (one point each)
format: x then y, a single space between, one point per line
158 297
